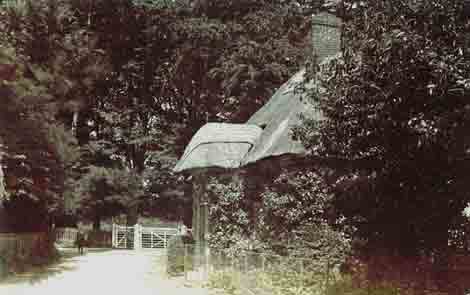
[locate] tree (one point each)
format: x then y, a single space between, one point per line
397 113
174 67
54 66
133 81
36 149
103 193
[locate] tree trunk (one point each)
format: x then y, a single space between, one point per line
3 192
132 215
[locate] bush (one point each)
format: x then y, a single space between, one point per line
3 268
223 280
282 280
99 239
176 254
345 286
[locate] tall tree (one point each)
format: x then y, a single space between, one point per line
397 111
176 67
36 149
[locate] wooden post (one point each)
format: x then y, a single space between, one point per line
164 240
113 238
200 212
196 211
185 266
246 263
137 237
263 262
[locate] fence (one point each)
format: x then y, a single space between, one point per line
22 242
66 236
16 250
256 273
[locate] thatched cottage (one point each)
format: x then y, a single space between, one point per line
264 143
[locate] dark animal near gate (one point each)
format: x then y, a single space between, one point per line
80 242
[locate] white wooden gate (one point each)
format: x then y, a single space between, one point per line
123 237
156 237
142 237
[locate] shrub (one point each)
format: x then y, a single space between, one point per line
176 254
3 267
222 280
345 286
284 279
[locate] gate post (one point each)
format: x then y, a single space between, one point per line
137 237
113 236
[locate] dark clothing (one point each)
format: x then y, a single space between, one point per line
80 242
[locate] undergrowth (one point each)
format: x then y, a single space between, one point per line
233 282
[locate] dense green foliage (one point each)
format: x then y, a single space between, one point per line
396 107
289 219
180 254
126 85
37 149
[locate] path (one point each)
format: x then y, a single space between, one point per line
113 272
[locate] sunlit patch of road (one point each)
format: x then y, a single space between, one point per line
113 272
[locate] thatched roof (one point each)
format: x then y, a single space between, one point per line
236 145
266 134
219 145
278 117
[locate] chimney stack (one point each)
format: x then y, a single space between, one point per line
326 35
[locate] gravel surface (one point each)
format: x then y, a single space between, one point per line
113 272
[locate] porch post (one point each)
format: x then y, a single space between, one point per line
200 211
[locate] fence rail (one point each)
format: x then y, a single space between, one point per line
24 246
66 236
255 273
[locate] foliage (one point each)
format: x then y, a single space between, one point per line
48 78
284 276
396 119
228 216
321 244
237 57
347 286
291 219
35 252
179 254
292 200
233 282
130 82
103 192
173 69
36 158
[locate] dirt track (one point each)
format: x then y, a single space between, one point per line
112 272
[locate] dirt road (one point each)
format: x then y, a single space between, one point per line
112 272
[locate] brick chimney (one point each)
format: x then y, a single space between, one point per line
326 35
